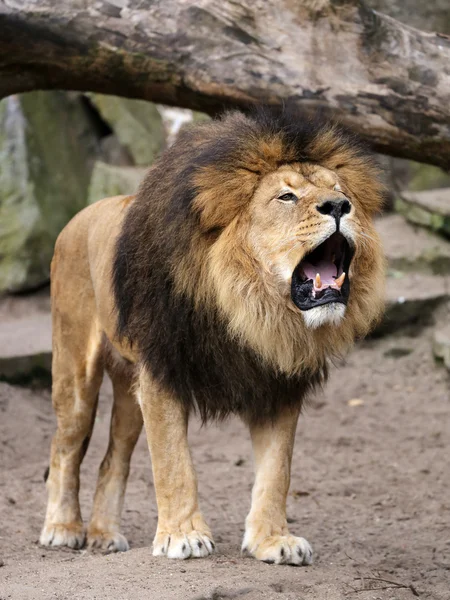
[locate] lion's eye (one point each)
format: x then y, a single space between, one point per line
288 197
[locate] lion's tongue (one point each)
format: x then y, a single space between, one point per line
325 268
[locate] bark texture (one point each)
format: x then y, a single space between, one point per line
389 82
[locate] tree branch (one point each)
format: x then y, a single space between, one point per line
389 82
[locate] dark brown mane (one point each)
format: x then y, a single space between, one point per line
195 189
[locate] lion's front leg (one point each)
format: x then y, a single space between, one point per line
182 531
266 533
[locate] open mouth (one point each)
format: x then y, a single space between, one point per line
322 276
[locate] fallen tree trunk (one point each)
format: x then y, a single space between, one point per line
389 82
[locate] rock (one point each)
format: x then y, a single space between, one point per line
108 180
26 350
418 276
137 124
47 151
430 209
427 16
413 176
400 174
412 249
412 299
441 345
427 177
113 153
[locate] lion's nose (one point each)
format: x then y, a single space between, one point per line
335 208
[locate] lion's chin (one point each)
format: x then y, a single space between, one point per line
327 314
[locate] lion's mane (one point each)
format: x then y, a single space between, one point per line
164 293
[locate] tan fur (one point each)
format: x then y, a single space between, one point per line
82 318
245 271
252 262
182 531
266 532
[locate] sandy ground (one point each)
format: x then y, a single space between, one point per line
370 491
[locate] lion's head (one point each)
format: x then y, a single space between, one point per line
264 223
291 203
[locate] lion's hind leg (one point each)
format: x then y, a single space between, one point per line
126 425
77 375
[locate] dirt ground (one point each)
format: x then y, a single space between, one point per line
370 491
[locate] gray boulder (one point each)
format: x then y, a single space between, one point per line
428 16
428 208
414 176
441 345
26 350
137 124
418 275
47 152
409 248
109 180
413 300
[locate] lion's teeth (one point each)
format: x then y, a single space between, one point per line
318 281
340 280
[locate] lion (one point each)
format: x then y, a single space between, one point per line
245 263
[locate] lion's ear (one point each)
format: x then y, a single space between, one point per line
222 194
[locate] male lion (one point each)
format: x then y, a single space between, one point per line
246 261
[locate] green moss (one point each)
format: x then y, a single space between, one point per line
47 151
137 124
420 216
108 180
427 177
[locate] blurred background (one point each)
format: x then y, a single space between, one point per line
60 151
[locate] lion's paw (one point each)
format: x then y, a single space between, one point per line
107 541
281 550
63 534
183 545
